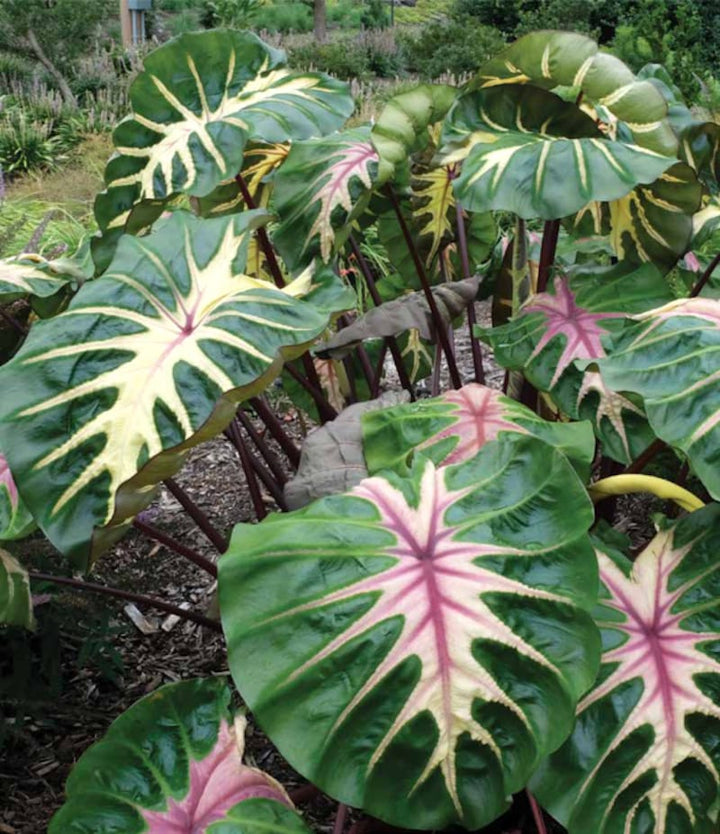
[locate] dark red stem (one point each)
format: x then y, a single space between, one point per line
233 433
471 317
271 484
391 341
642 460
197 515
537 813
325 410
118 593
304 793
551 233
182 550
13 322
270 457
274 426
697 289
340 818
429 297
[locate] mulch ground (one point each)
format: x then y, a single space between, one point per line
61 689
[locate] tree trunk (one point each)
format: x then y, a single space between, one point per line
63 86
320 27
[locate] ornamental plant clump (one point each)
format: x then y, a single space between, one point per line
438 617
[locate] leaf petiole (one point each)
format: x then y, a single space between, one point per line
625 484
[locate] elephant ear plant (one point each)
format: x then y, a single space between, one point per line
444 629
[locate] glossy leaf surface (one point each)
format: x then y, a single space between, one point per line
321 187
15 598
172 764
644 755
453 427
403 620
199 100
527 151
105 398
671 357
35 276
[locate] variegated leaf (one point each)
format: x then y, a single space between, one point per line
571 323
550 59
104 400
404 621
35 276
651 224
322 186
15 598
453 427
671 357
197 103
16 522
644 755
172 764
526 150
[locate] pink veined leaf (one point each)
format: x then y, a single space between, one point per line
217 783
578 326
347 162
479 416
611 405
6 480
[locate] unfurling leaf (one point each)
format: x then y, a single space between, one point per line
105 399
644 755
172 764
427 630
332 457
15 599
410 311
16 522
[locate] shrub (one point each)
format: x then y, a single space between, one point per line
26 145
187 20
237 14
345 58
502 14
457 47
284 17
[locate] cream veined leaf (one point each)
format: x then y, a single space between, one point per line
550 59
35 276
322 186
197 103
16 522
670 356
103 401
403 620
523 149
643 756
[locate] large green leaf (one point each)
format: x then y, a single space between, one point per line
527 151
16 522
427 630
644 756
197 103
172 763
15 598
322 186
651 224
550 59
102 401
40 279
453 427
671 357
570 322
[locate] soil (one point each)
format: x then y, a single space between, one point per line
60 689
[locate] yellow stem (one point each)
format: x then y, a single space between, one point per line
624 484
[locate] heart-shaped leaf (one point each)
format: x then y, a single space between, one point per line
172 763
199 100
453 427
16 522
428 631
15 598
322 186
35 276
103 401
526 150
671 357
644 755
